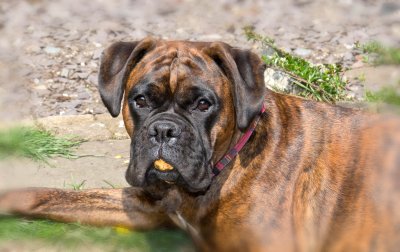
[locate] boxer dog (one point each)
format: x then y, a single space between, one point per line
237 166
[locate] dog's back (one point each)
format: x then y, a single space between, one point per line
348 198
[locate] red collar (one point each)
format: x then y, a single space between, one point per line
225 160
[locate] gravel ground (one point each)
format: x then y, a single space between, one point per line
49 50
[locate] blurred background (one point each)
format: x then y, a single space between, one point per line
49 50
49 59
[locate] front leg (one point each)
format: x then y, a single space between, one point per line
128 207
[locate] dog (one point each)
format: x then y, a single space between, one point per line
238 166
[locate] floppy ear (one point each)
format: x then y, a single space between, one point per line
117 61
245 70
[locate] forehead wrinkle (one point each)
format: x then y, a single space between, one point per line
153 63
160 57
173 79
183 66
158 76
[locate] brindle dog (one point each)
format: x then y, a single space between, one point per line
312 177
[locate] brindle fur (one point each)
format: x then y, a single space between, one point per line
313 177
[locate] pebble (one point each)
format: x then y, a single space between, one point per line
96 44
93 79
33 49
302 52
52 50
83 96
82 75
40 87
64 73
97 54
209 37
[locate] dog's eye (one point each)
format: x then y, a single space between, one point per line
140 101
203 105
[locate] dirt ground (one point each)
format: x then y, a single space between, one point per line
49 58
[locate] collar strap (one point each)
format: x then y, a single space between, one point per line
225 160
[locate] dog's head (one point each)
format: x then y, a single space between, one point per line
182 103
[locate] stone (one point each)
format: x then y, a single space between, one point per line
52 50
277 80
302 52
64 73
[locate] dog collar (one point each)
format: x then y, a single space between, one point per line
232 153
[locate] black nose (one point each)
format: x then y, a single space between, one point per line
163 131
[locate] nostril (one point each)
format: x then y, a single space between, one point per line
170 133
152 131
173 132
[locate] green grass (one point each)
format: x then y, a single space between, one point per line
388 95
318 82
36 144
70 236
382 55
76 186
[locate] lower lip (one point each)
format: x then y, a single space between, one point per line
168 177
169 182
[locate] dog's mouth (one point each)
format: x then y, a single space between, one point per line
170 177
165 180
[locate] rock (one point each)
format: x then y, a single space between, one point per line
64 73
93 79
82 75
52 50
209 37
268 51
33 49
40 87
96 44
276 80
97 54
348 56
84 95
302 52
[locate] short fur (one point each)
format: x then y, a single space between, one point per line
313 177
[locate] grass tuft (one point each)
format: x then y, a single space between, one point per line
388 95
72 236
382 55
77 186
318 82
35 144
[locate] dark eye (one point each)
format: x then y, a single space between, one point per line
203 105
140 101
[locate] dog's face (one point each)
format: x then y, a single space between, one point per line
183 103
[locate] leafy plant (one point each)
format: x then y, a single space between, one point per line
319 82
